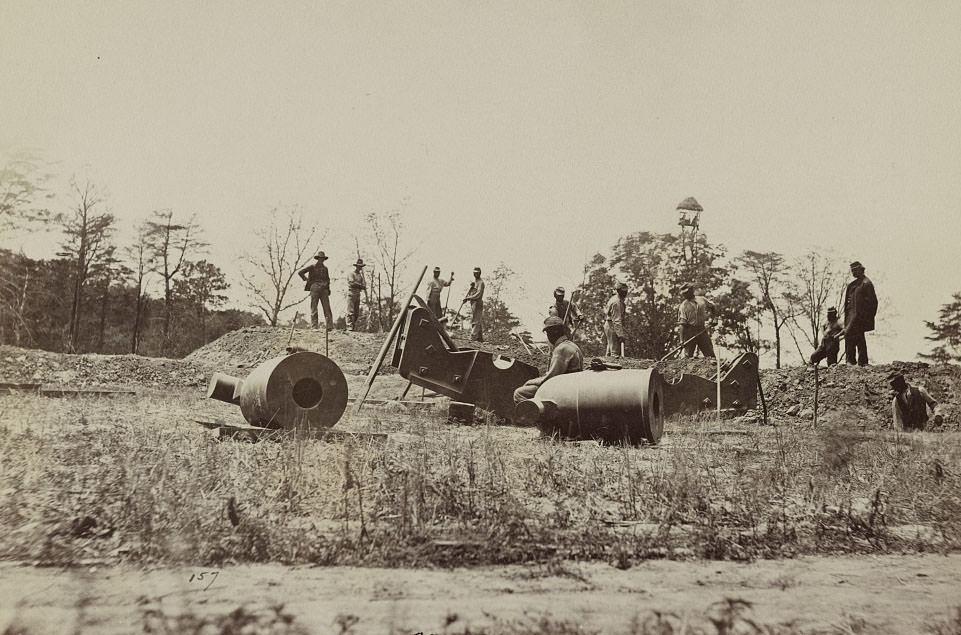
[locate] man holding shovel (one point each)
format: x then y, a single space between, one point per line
434 287
692 324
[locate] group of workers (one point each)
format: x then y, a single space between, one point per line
693 324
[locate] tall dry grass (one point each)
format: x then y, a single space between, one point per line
134 479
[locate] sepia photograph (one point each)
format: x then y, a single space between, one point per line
480 318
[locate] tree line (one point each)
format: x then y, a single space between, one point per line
94 296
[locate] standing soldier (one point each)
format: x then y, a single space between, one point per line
614 314
564 309
434 286
692 324
318 283
860 307
355 284
476 297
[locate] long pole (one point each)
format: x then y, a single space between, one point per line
390 338
816 387
717 358
683 344
449 285
292 323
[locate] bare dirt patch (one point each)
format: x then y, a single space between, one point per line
889 594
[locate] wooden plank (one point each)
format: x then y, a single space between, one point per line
256 433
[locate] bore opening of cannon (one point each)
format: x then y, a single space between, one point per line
307 392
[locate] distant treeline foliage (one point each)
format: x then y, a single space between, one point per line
36 298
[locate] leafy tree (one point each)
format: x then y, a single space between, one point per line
168 244
947 331
654 267
284 245
22 192
198 288
88 233
498 319
735 311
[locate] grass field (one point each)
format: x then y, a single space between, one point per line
134 479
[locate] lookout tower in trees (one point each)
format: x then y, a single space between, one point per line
689 219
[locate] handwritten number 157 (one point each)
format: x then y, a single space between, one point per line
199 577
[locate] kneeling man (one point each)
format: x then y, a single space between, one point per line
565 358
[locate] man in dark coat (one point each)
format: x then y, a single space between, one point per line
909 406
860 307
317 280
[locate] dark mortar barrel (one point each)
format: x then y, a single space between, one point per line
614 406
300 390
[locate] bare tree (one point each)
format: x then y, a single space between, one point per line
386 229
816 282
284 245
139 257
770 271
88 231
168 244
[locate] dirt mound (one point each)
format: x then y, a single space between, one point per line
354 352
858 395
109 371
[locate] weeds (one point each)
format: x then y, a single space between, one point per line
91 479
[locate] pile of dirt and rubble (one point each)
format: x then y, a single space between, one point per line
858 395
354 352
21 365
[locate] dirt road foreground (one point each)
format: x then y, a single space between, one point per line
883 594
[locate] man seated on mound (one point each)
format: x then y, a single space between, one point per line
565 358
910 405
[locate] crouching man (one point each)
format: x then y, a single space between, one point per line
910 405
566 357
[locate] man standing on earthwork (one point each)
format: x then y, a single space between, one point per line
355 284
564 309
434 286
565 358
614 313
318 283
692 324
476 297
860 307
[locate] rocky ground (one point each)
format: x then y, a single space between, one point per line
859 396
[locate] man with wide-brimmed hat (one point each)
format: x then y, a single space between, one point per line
830 344
909 407
860 307
564 309
692 323
355 284
476 298
614 312
317 280
565 358
434 287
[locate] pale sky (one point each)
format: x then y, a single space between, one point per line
534 133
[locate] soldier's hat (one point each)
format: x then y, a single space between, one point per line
552 322
320 256
360 263
856 265
832 310
436 269
896 378
559 291
621 286
687 288
477 269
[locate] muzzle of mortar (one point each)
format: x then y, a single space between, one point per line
301 390
614 406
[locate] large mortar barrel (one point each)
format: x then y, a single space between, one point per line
614 406
300 390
